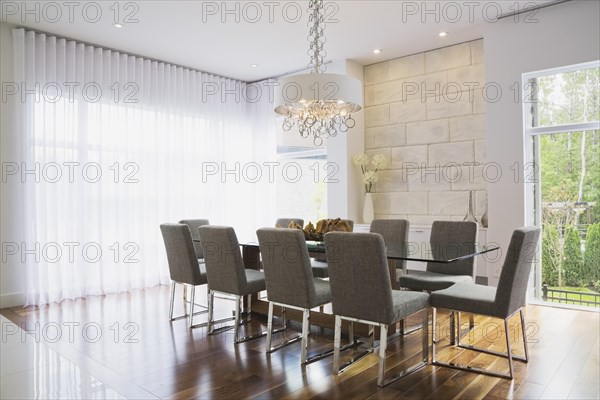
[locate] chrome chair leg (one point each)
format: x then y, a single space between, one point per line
508 349
192 298
525 347
172 301
305 333
237 319
211 300
337 339
270 327
270 331
381 380
382 348
508 355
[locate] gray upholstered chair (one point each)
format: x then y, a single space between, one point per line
226 274
502 302
319 264
194 224
183 266
447 238
285 222
357 267
290 282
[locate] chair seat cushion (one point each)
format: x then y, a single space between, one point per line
407 303
477 299
319 269
322 293
255 282
431 281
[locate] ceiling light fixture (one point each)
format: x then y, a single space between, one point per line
319 104
377 51
117 25
254 65
443 34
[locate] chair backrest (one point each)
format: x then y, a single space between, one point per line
285 222
194 224
359 276
512 286
450 239
183 264
286 263
224 264
394 233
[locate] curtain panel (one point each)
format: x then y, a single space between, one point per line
113 145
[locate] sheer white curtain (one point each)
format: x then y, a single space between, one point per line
117 144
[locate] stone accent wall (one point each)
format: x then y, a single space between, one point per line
426 113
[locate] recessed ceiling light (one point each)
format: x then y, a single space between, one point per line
443 34
117 25
254 65
377 51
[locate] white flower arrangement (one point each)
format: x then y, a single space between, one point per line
379 161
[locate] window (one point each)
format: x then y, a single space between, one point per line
562 141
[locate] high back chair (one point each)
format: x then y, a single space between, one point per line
357 267
447 237
184 268
193 225
226 274
290 283
502 302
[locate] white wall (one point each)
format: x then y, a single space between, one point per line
12 274
565 34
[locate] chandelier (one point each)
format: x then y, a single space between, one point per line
319 104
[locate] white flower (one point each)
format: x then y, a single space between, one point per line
379 161
361 159
370 177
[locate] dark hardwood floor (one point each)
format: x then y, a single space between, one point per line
127 342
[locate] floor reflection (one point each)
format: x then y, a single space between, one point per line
31 370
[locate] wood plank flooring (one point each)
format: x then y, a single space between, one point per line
126 341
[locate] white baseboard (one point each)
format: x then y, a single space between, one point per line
12 300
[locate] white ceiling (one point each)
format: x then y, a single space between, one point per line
199 34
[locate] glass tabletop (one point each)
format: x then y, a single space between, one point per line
423 252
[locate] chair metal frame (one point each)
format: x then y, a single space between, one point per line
237 317
508 355
381 380
185 301
304 357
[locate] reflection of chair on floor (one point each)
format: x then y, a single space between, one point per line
290 282
184 267
226 274
358 265
447 239
502 302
